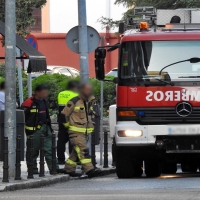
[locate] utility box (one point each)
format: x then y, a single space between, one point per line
20 130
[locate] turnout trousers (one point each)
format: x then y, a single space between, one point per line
46 131
80 151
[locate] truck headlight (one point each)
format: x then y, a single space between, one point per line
130 133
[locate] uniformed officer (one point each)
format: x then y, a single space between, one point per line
79 113
63 137
38 123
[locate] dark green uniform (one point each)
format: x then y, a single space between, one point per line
38 123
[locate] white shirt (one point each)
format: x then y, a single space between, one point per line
2 101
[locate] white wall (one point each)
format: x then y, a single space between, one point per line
64 15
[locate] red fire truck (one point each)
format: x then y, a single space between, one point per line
158 100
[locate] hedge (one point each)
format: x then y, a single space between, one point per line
57 83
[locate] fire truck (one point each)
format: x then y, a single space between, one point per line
156 122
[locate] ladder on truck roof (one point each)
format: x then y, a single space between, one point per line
146 13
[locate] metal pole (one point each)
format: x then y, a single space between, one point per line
18 159
101 122
93 156
21 98
101 126
54 160
30 149
5 161
10 79
83 41
105 150
30 93
42 156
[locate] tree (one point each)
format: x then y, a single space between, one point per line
161 4
24 10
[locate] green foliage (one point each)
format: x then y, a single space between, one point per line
24 18
159 4
2 77
57 83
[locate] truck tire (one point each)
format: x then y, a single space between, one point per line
189 167
169 168
152 168
126 167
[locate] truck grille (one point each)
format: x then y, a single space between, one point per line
167 116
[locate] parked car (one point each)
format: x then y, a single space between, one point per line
65 70
113 72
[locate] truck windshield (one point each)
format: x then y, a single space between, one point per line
143 60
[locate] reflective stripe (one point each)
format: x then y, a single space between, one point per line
85 161
79 108
81 130
33 110
66 125
32 128
71 162
78 151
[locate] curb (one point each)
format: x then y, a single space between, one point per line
37 183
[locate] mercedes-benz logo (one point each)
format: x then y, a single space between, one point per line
184 109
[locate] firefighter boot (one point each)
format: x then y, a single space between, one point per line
95 173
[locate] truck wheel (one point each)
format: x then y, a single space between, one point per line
152 168
189 167
169 168
126 167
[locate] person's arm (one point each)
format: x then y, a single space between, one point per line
26 108
67 111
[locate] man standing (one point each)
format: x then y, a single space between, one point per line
38 123
63 136
79 113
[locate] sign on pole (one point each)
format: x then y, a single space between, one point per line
72 39
31 39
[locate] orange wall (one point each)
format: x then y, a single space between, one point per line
54 47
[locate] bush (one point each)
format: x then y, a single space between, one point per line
57 83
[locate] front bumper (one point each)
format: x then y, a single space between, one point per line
150 132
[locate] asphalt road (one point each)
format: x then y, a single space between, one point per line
166 187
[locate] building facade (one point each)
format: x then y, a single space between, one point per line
57 17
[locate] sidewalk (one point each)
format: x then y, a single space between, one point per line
38 182
30 183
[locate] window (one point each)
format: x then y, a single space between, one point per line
75 72
37 14
144 60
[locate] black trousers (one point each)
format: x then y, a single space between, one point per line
63 138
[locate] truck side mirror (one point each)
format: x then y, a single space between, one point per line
100 55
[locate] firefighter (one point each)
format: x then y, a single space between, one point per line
38 123
79 113
63 136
